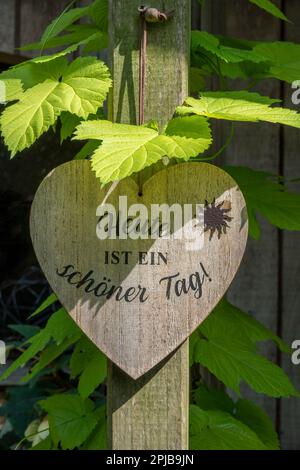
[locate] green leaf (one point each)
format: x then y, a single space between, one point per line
197 80
52 352
93 375
88 361
98 439
49 301
98 12
31 73
59 327
128 149
20 407
239 106
71 419
24 122
213 45
87 150
265 195
85 86
79 33
216 430
10 89
68 124
269 6
227 347
257 420
27 331
232 360
245 411
61 23
208 399
227 317
80 89
283 59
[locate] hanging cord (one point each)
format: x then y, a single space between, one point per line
147 15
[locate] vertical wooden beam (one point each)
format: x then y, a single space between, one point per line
152 412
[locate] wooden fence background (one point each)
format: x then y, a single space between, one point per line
268 283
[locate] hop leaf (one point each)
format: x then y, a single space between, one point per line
269 6
239 106
71 418
128 149
266 196
79 88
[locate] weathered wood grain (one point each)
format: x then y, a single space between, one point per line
167 60
138 330
256 146
125 76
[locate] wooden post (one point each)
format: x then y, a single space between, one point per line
151 412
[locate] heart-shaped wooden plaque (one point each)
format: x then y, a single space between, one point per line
139 299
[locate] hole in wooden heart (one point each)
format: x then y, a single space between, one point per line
138 300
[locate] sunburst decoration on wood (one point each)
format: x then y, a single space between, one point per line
216 218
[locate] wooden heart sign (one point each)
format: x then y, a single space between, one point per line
139 272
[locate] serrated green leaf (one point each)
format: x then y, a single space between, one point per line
87 150
37 343
44 305
90 363
71 419
98 12
209 399
270 7
283 59
244 411
220 431
93 375
85 84
78 34
239 106
230 319
98 439
32 73
62 22
25 121
232 360
213 45
265 195
127 149
50 353
257 420
59 327
80 89
68 124
10 90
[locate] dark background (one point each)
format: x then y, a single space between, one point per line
268 283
